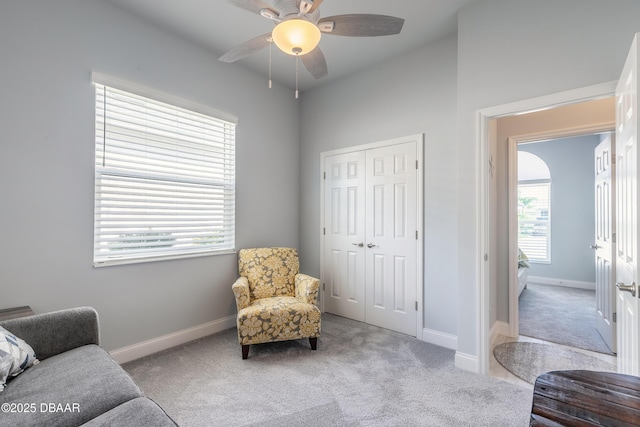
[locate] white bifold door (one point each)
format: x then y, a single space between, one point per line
370 264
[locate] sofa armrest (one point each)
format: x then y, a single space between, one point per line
307 288
58 331
241 291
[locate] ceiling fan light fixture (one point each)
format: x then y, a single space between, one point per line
296 36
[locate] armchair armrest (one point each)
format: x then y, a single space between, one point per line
241 291
58 331
307 288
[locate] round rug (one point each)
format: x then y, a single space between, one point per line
527 360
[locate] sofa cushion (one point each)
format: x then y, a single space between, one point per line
68 389
139 412
15 356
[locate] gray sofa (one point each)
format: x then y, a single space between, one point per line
76 382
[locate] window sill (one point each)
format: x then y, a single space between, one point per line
124 261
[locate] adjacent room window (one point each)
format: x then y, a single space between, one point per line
534 207
164 179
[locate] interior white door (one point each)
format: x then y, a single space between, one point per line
604 245
344 234
627 214
391 235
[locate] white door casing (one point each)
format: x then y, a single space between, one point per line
371 242
627 214
604 245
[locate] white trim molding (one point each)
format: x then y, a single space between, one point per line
562 282
154 345
440 339
467 362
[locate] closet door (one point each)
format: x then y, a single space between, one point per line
391 237
344 250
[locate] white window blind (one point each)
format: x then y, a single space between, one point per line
164 180
534 226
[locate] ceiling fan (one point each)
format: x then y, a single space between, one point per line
299 28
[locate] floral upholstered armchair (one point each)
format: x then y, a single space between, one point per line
275 302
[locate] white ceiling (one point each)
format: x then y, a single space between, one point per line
219 26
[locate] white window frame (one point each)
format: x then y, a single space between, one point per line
530 254
193 160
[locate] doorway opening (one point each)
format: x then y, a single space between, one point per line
564 213
495 300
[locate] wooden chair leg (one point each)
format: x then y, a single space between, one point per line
314 343
245 351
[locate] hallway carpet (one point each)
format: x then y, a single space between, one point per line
561 315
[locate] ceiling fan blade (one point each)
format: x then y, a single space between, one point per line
254 6
361 25
315 63
246 48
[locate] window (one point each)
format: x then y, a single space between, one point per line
533 221
164 180
534 205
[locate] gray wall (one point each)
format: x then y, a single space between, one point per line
570 161
48 50
513 50
414 93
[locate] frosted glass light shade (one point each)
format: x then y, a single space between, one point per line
296 36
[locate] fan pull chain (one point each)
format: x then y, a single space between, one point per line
297 66
270 44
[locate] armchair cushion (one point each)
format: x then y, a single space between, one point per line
270 272
278 319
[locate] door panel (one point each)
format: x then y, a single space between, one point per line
344 217
391 240
604 244
627 214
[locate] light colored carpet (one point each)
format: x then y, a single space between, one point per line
360 375
527 360
561 315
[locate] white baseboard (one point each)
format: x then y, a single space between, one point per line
440 338
467 362
562 282
145 348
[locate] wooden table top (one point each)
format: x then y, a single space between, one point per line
586 398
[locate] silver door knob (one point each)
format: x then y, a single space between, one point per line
595 246
359 244
627 288
371 245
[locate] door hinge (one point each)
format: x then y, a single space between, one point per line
615 317
416 164
416 305
324 231
324 175
613 237
486 257
416 234
323 286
